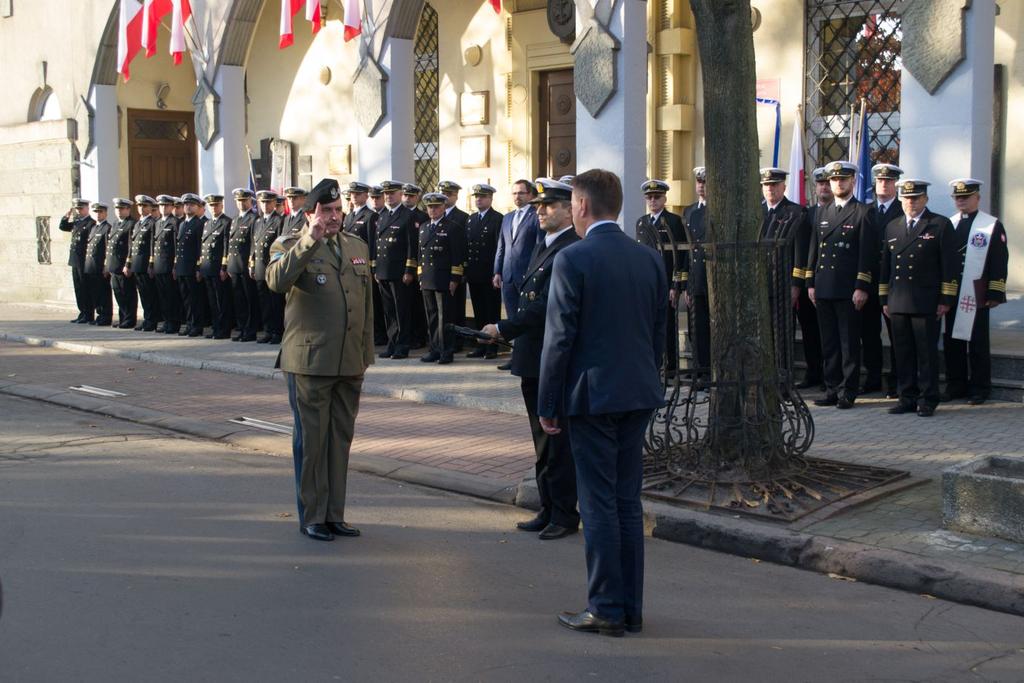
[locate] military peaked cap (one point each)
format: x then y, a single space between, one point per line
841 169
390 186
434 199
965 187
483 189
266 196
326 191
448 186
886 171
214 199
410 188
121 203
819 175
567 179
78 202
294 192
356 186
913 188
376 191
165 199
549 190
700 173
242 193
654 187
772 175
192 198
145 199
98 206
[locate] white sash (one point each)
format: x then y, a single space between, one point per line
974 266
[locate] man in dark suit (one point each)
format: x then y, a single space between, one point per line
442 253
187 249
118 246
843 268
599 377
411 199
884 210
482 231
213 267
980 239
555 474
78 222
96 275
520 232
918 286
695 285
396 269
664 232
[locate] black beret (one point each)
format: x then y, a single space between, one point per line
326 191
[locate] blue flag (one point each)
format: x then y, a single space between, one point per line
865 190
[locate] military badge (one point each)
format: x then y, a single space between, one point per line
321 279
979 240
531 296
356 261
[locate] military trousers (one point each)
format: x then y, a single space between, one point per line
396 300
193 302
486 303
218 302
271 309
554 469
127 299
810 336
246 301
418 335
968 363
839 323
917 359
102 301
170 300
152 314
871 339
700 331
380 326
83 293
327 407
438 306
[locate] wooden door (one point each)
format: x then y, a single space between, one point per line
558 117
161 152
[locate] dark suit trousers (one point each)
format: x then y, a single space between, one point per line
917 358
101 299
608 453
218 301
271 308
438 306
672 339
555 473
127 298
510 298
871 338
419 317
486 303
396 298
170 300
700 331
380 326
839 323
977 352
807 317
83 294
247 305
193 302
151 311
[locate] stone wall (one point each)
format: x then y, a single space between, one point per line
36 179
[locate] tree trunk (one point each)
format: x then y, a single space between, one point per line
744 432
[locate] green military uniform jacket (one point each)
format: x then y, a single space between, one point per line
328 310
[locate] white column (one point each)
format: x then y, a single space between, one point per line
100 169
387 155
616 139
225 166
949 134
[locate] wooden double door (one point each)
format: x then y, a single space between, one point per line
161 152
558 120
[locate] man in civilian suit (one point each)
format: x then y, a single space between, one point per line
520 232
599 377
556 477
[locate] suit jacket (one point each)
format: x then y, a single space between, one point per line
526 325
920 269
997 258
119 239
163 245
79 229
240 243
188 246
789 221
482 245
512 256
96 250
696 281
140 253
605 327
457 215
213 253
264 232
843 256
396 244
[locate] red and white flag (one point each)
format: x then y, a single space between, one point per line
129 35
797 178
353 22
181 14
155 11
496 5
289 8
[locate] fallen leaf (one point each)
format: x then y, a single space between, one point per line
928 597
840 577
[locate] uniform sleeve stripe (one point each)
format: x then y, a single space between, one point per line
799 272
864 277
411 263
883 290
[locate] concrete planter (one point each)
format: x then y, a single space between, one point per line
986 497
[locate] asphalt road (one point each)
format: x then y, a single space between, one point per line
127 553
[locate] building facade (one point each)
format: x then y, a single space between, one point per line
438 89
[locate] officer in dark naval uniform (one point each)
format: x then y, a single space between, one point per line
664 232
442 252
265 230
918 286
555 474
78 222
376 198
96 276
884 210
243 287
187 249
140 264
119 241
482 231
162 265
843 265
213 267
362 222
983 286
411 198
695 285
295 221
395 269
453 214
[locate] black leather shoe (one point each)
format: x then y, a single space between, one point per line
478 352
149 328
75 321
871 387
505 366
275 339
197 332
208 336
399 355
925 411
634 624
140 328
844 403
342 529
588 622
445 359
263 339
948 396
536 524
976 400
183 332
829 400
318 532
248 338
900 409
553 532
385 354
430 358
491 355
891 393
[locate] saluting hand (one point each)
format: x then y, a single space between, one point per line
317 229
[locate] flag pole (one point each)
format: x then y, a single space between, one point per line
252 172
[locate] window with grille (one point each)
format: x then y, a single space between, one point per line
156 129
426 78
853 53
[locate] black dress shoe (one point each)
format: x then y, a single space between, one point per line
263 339
553 532
197 332
248 338
223 336
536 524
430 358
148 328
947 396
445 359
901 409
491 355
90 322
976 400
318 532
140 328
208 336
505 366
384 354
891 393
588 622
844 403
399 355
829 400
634 624
871 387
342 529
478 352
183 332
75 321
275 339
925 411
